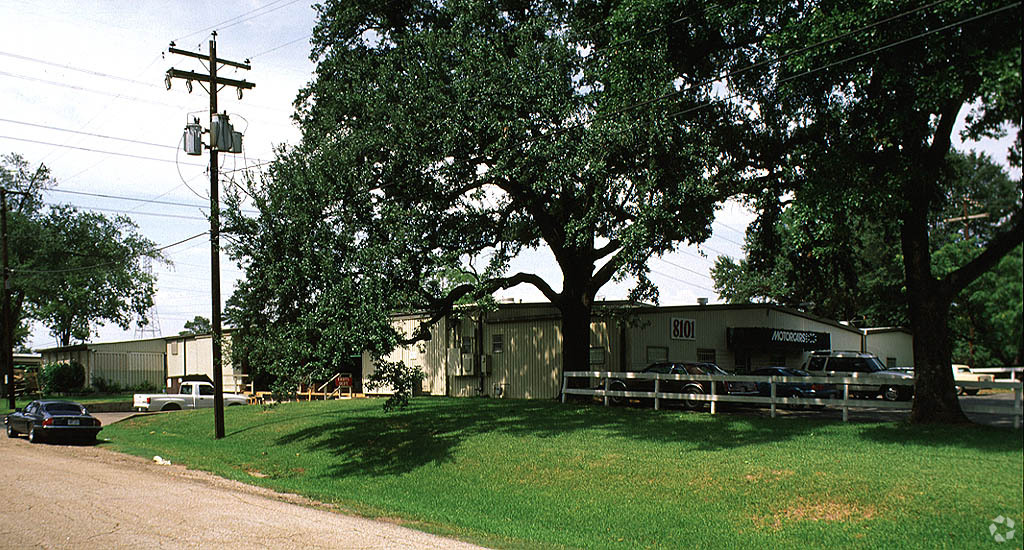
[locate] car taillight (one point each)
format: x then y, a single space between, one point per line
817 387
48 422
147 400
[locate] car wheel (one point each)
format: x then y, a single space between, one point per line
11 432
171 407
891 393
617 385
33 435
693 404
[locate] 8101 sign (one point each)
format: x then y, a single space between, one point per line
683 329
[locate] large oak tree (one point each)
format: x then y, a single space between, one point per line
871 118
441 139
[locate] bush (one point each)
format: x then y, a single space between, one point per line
102 385
62 377
398 377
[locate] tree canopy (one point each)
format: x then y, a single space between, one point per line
71 269
442 139
873 128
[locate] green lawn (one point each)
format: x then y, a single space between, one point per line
539 474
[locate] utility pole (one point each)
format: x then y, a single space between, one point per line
8 357
216 144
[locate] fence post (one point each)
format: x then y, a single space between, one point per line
565 384
846 399
657 388
771 380
1017 407
714 403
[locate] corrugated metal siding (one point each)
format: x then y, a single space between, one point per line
429 355
129 369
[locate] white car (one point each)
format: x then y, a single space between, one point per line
963 373
192 395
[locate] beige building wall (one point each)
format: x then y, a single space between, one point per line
894 346
516 351
194 355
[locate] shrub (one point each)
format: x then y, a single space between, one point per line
102 385
398 377
62 377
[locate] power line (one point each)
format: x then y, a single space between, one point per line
73 68
104 264
47 127
126 212
237 17
677 266
115 153
677 279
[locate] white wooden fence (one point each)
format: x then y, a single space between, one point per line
128 369
599 381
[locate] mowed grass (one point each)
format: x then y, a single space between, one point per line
539 474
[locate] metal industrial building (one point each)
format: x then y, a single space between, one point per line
515 350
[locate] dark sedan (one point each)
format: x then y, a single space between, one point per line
53 420
684 386
792 389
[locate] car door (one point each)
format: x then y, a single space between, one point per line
27 417
205 398
648 385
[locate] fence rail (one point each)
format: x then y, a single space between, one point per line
599 387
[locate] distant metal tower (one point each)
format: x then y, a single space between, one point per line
149 321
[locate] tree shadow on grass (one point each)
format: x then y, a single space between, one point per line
369 442
961 436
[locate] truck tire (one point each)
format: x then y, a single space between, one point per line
171 407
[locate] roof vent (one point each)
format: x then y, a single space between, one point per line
702 301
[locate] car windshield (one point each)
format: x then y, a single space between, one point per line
712 369
874 364
63 408
794 372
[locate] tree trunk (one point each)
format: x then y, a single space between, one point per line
575 338
928 301
935 399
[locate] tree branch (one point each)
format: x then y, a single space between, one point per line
998 247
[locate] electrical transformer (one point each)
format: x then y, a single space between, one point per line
193 139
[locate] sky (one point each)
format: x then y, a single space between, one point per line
82 91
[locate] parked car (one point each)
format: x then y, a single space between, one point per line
191 395
53 420
793 389
963 373
897 386
683 386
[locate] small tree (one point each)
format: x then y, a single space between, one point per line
63 377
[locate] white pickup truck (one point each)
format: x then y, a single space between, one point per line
192 395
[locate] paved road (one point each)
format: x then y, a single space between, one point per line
83 497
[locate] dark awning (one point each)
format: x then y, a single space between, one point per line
776 338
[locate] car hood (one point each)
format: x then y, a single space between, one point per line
895 374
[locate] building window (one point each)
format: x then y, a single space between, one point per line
497 343
597 356
706 356
174 348
656 354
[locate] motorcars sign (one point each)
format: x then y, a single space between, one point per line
769 338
